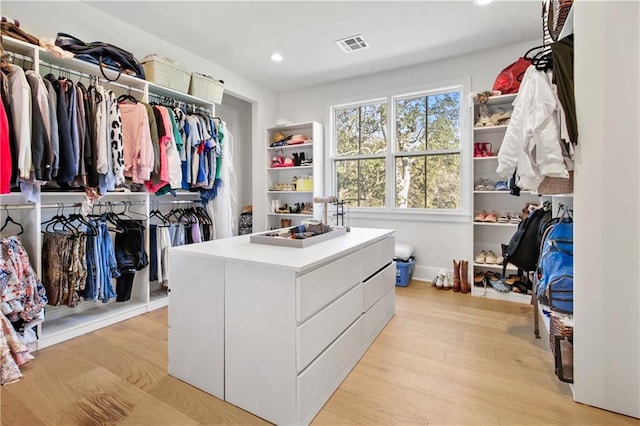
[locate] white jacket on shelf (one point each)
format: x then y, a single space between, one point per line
532 140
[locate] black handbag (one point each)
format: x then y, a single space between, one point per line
103 54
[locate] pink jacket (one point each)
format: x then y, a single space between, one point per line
136 138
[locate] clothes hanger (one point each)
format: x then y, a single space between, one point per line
127 97
8 219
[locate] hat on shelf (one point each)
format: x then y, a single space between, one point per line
297 139
280 139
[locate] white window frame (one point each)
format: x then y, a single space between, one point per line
390 211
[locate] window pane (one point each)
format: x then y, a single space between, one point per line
373 122
443 181
410 124
431 182
372 176
361 182
410 182
347 131
347 171
443 124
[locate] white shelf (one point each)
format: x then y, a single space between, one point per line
501 99
510 267
290 147
291 168
290 214
488 157
490 129
500 192
493 294
289 192
77 324
508 225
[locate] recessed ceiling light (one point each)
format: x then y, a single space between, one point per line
276 57
482 2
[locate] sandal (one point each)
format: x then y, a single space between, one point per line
514 218
504 218
495 281
478 280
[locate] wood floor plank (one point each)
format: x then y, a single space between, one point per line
444 359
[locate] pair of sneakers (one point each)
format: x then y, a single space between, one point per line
443 280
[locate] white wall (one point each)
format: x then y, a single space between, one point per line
437 243
45 19
607 207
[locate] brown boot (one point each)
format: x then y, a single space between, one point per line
464 279
456 276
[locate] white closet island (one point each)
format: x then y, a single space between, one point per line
274 330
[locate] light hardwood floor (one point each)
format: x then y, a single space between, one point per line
445 358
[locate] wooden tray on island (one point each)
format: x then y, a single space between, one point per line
269 239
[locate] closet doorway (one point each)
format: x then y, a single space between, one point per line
238 116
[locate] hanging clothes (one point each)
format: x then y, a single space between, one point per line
531 142
20 96
225 204
130 256
41 152
12 135
137 147
13 353
5 153
22 295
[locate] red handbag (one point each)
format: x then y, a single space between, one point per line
508 81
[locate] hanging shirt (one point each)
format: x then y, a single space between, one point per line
137 148
41 153
52 100
116 138
13 143
5 153
65 155
173 157
21 107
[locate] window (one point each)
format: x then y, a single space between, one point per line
415 165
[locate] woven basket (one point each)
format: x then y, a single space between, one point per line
557 328
556 185
205 87
166 73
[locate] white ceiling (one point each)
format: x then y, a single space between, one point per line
241 35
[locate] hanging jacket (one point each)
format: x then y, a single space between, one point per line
532 141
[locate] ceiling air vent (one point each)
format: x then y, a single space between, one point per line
353 43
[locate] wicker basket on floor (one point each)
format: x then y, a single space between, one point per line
557 328
165 72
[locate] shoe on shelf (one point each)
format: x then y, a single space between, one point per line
480 217
479 279
504 218
501 186
492 217
514 218
499 260
480 257
490 258
496 281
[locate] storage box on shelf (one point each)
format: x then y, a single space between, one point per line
166 72
290 189
490 235
206 87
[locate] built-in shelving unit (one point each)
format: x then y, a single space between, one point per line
61 323
312 149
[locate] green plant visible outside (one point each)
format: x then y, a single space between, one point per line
424 179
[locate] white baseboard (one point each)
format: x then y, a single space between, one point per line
424 273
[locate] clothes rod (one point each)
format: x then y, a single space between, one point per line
18 206
104 204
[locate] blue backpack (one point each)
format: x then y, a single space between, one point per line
554 275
